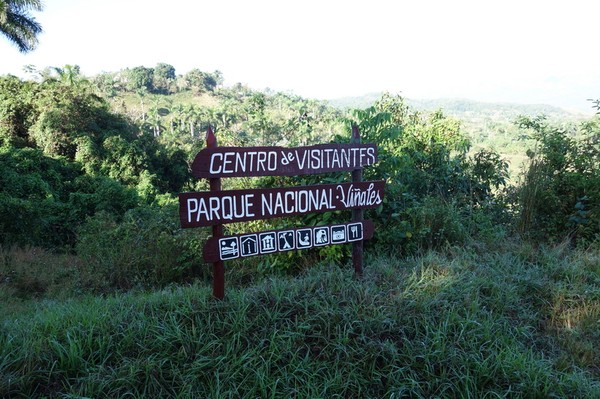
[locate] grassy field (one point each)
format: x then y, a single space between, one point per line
472 323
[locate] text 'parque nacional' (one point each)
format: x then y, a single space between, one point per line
211 208
279 161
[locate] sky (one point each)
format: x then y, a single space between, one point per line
521 51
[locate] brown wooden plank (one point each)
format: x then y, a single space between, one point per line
280 161
217 229
357 213
274 241
210 208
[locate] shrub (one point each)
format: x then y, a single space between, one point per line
434 188
559 195
146 249
36 272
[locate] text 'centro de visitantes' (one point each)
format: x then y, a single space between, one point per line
279 161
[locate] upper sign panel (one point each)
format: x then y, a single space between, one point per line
280 161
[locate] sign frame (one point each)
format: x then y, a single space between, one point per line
215 162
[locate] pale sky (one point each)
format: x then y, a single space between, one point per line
524 51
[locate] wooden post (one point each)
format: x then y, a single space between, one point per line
357 214
217 230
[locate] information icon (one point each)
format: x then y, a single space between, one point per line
268 242
304 238
321 236
229 248
355 232
286 240
249 245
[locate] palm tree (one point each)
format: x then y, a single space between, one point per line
17 25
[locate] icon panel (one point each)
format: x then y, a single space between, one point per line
267 242
355 232
321 236
286 240
304 237
338 234
229 248
249 245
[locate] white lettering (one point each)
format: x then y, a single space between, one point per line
240 161
267 205
212 163
260 163
227 206
202 210
190 209
247 204
272 161
227 161
289 206
302 201
316 160
214 206
302 162
354 197
279 209
371 152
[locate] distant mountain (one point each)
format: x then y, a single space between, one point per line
467 109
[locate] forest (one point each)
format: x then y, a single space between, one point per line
486 249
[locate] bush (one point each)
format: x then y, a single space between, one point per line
44 200
559 195
436 192
35 272
146 249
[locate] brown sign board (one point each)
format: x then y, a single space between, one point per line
214 162
219 207
274 241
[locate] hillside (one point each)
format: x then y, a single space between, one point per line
488 125
464 108
511 322
472 287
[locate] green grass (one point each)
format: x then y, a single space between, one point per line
522 322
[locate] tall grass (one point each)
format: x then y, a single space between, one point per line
519 323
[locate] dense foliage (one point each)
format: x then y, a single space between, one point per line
474 286
85 162
560 192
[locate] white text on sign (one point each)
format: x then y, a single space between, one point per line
206 208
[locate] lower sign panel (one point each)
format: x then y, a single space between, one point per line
268 242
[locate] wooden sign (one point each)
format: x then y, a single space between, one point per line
279 161
273 241
216 207
212 208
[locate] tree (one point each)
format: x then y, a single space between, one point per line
69 75
17 111
140 78
200 82
17 25
163 78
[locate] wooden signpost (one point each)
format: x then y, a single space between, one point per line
217 207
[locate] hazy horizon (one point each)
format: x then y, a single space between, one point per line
534 52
